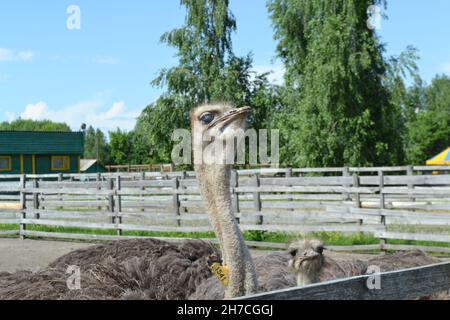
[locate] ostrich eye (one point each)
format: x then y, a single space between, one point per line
293 252
207 118
320 250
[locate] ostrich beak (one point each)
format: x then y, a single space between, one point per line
310 256
230 116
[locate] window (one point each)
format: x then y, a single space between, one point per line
60 163
5 163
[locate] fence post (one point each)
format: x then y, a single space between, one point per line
235 195
118 215
288 174
36 199
357 195
257 199
60 196
184 177
23 205
98 179
345 175
410 174
382 206
141 197
176 200
111 200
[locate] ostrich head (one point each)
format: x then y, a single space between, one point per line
212 126
307 260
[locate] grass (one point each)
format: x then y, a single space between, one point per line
330 238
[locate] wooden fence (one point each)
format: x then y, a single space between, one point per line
411 283
404 203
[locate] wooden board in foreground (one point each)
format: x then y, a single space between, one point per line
395 285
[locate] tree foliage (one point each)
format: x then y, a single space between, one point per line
34 125
337 110
120 146
96 146
207 71
429 131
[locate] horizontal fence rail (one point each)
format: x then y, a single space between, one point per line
405 284
391 203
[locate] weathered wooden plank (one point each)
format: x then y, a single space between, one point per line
395 285
400 247
329 189
412 236
314 228
10 221
72 191
429 180
307 181
431 168
413 192
61 223
131 227
377 169
9 232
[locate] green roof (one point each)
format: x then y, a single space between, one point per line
37 142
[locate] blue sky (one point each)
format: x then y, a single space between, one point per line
101 73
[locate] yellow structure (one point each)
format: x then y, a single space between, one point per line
441 159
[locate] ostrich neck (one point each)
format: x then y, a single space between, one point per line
214 181
304 279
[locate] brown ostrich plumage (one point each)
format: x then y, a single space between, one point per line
128 269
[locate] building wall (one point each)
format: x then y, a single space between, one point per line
42 164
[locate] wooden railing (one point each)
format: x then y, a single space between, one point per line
411 283
390 203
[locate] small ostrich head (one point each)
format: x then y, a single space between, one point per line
307 260
212 125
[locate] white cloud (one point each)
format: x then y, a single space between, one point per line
11 55
276 75
91 112
106 60
36 111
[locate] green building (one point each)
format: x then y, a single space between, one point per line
33 152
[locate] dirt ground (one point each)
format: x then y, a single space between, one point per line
34 255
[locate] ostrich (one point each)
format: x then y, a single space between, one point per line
154 269
166 270
212 126
305 262
302 264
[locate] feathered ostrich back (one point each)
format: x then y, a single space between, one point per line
402 260
128 269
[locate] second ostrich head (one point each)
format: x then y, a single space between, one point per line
306 260
213 126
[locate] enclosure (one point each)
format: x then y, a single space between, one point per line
392 204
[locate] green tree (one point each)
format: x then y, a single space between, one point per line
429 132
336 109
34 125
207 71
96 146
120 146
